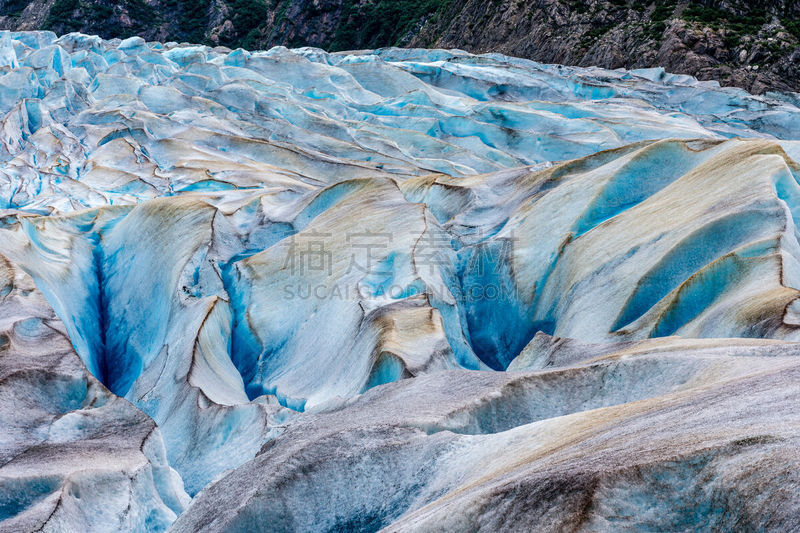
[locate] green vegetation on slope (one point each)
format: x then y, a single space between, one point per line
358 23
382 22
101 18
748 22
371 24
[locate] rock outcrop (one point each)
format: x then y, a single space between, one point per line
751 45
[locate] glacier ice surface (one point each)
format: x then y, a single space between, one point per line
282 283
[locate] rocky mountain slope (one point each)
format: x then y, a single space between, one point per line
751 45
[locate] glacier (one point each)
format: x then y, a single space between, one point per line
396 289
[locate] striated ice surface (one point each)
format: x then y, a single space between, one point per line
73 457
277 290
88 122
